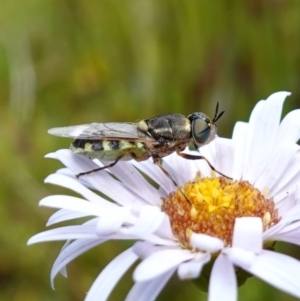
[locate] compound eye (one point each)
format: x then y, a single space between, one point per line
201 130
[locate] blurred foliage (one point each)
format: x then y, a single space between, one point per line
65 62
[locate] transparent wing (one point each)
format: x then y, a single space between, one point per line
108 131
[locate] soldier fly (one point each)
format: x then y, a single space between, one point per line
156 137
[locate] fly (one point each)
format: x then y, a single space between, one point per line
156 137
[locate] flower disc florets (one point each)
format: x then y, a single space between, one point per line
212 205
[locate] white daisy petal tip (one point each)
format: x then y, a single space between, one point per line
206 242
51 155
247 234
278 95
110 222
160 261
192 269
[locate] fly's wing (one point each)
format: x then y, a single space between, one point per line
99 131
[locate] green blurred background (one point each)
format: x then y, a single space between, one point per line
65 62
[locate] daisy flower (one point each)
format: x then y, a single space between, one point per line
214 230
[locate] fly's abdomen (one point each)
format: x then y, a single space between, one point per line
109 150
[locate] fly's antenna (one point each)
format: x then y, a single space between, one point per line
217 116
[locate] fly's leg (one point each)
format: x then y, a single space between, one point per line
199 157
101 168
157 161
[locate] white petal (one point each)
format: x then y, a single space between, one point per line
76 163
144 249
224 156
159 263
112 220
290 233
155 239
134 181
247 234
148 235
209 152
263 133
165 231
53 155
279 270
110 276
67 172
67 182
270 233
99 180
155 173
251 132
288 228
239 137
63 215
290 178
179 168
149 220
70 252
222 283
72 203
205 242
192 269
290 127
149 290
286 202
291 215
64 233
240 257
277 175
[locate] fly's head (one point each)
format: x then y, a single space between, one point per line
203 128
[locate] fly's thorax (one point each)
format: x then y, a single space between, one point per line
165 128
110 150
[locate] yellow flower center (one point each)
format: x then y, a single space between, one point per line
211 205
